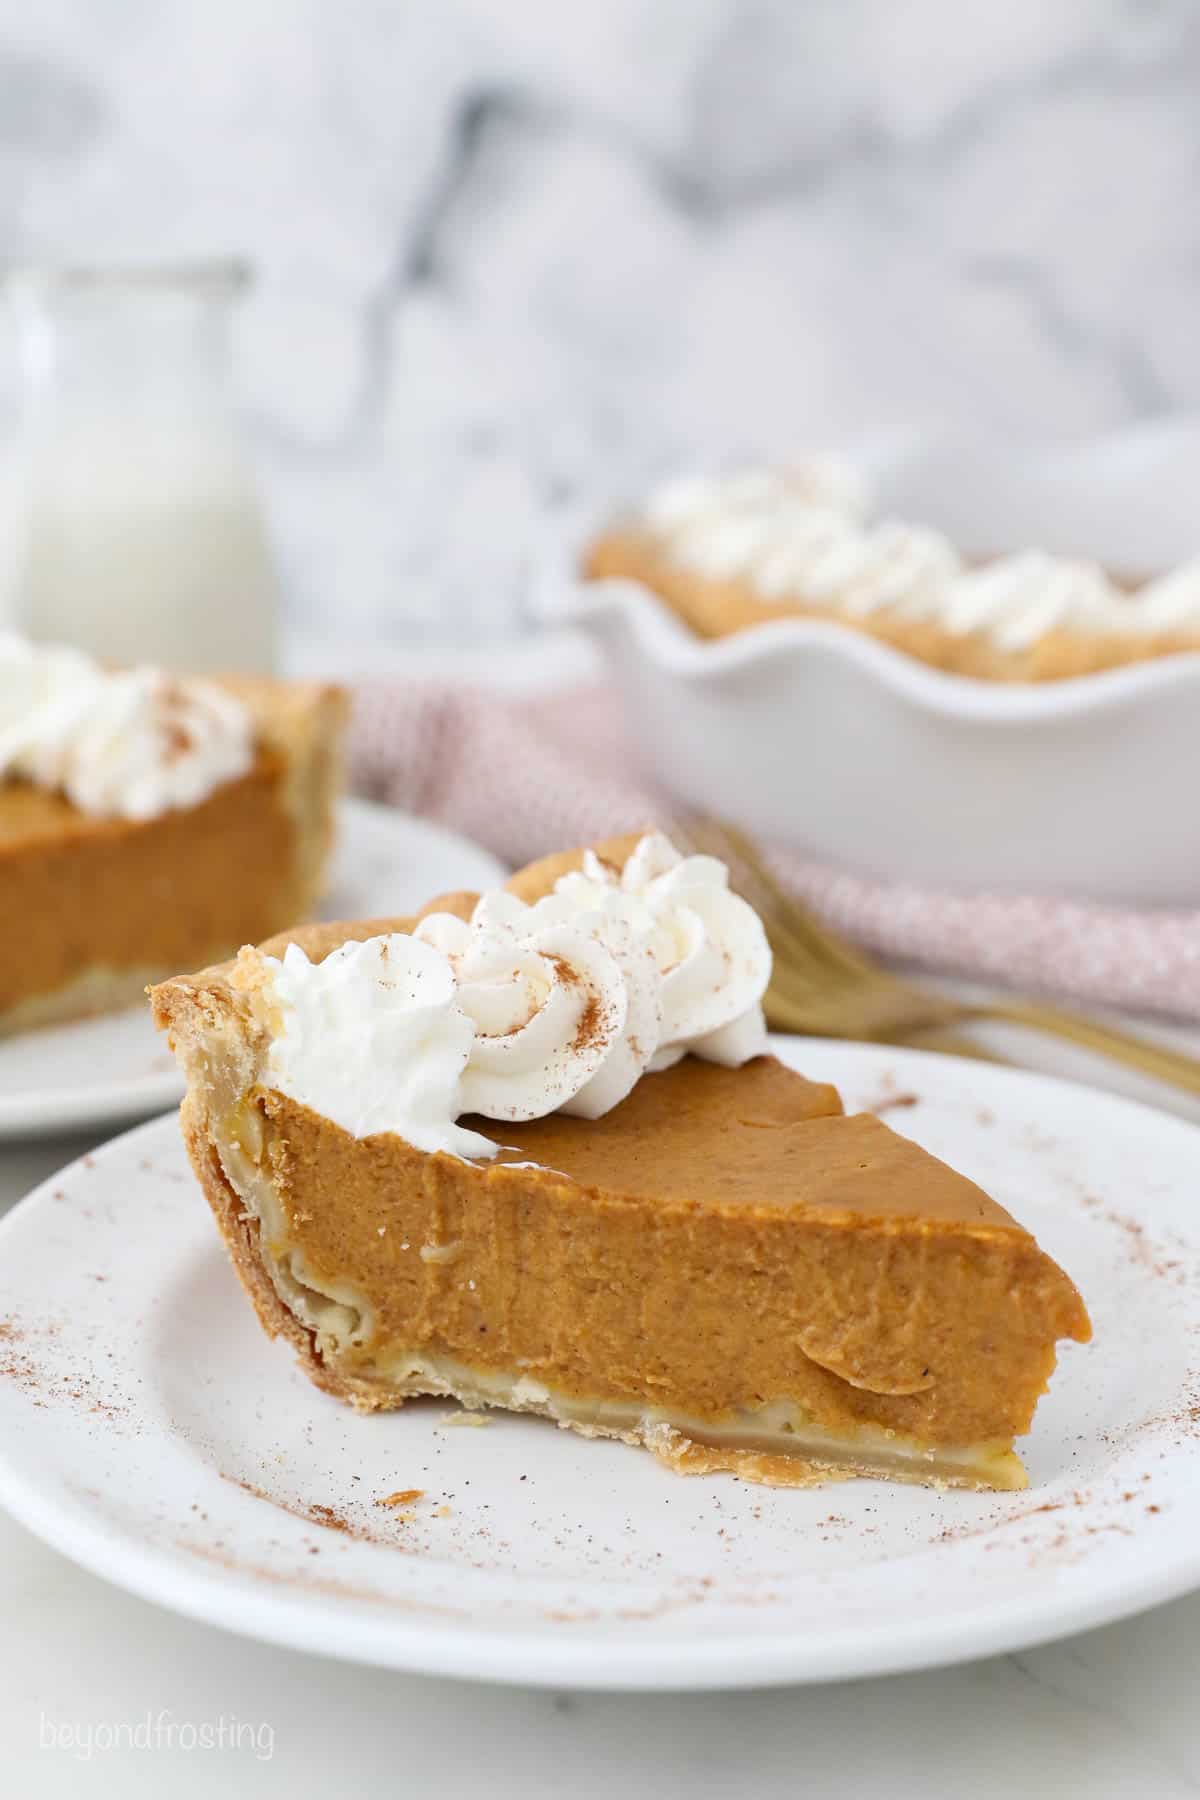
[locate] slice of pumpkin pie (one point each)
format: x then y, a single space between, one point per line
529 1150
149 821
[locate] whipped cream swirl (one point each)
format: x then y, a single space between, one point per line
707 943
800 532
1017 599
128 744
566 1011
1172 601
519 1011
904 567
372 1038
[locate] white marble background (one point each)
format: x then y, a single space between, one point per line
515 254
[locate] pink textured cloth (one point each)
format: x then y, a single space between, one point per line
526 776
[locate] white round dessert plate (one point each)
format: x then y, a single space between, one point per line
101 1071
150 1431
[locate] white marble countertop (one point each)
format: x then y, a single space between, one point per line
1108 1714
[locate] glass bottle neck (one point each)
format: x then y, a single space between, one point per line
157 354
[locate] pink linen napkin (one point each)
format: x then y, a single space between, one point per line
524 776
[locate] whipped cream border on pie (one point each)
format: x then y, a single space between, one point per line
732 550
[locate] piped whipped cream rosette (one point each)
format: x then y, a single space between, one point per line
522 1010
708 945
566 1010
1018 598
371 1037
129 743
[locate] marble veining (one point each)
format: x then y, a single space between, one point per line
515 260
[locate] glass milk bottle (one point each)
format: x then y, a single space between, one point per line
135 531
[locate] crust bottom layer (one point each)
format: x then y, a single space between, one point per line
774 1445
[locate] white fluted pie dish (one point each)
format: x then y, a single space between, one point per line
820 737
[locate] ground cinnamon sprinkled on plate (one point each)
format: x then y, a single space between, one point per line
300 1579
316 1513
325 1515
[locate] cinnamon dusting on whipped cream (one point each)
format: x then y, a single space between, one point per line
127 743
590 1027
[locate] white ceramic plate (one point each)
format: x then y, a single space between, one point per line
99 1071
150 1431
829 741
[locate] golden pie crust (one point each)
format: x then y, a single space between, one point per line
725 1269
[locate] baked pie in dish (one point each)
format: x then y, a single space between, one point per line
149 821
732 551
530 1150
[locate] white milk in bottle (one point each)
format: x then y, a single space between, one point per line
135 531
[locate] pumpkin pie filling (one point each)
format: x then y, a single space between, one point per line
723 1267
